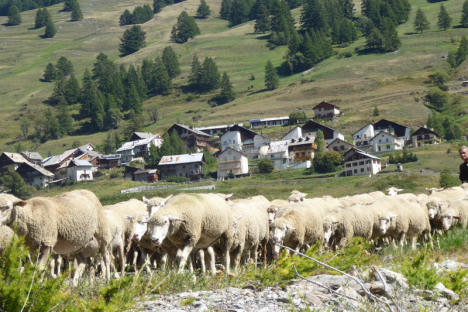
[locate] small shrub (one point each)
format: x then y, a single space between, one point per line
115 174
187 301
448 180
265 165
419 272
176 179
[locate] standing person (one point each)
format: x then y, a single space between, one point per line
463 151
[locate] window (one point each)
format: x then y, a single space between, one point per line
388 146
361 163
355 170
354 164
362 169
386 140
348 165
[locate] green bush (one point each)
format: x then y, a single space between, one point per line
327 162
176 179
447 179
265 165
419 271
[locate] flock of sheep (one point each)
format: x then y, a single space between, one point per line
179 229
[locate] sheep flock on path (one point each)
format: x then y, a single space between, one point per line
188 230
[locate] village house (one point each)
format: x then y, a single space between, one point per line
144 135
277 152
295 133
92 157
185 165
311 127
424 136
137 149
232 161
249 141
394 128
80 170
339 145
357 162
13 160
218 130
361 138
34 174
325 110
301 152
32 157
57 163
385 142
146 175
269 122
109 161
192 138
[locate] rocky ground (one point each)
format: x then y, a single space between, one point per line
374 290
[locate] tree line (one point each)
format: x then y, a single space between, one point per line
24 5
140 15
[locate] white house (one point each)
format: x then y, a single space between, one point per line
272 121
138 148
277 152
231 139
80 170
384 142
362 137
357 162
295 133
231 160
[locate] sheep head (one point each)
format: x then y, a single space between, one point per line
330 225
448 218
272 211
162 226
154 204
435 207
296 196
386 222
139 227
281 230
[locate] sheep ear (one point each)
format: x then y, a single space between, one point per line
21 203
290 228
145 200
172 218
166 199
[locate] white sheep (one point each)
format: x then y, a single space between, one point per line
193 221
63 223
296 228
6 236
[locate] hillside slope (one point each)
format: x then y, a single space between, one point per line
393 82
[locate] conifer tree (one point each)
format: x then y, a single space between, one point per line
444 21
49 73
462 51
65 120
132 40
158 5
68 5
195 72
112 113
161 81
313 15
262 21
170 60
227 93
464 17
126 18
59 91
133 78
185 29
147 73
203 10
52 126
133 100
72 90
320 143
76 14
50 30
271 76
209 76
226 7
42 16
420 22
64 66
14 17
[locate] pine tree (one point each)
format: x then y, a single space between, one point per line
42 16
158 5
88 94
76 14
320 143
49 73
72 90
170 60
132 40
262 21
444 20
178 145
420 22
185 29
64 66
133 78
271 76
464 17
209 76
462 51
161 82
112 113
14 17
52 126
227 93
50 30
313 15
133 100
203 10
391 42
226 7
65 120
68 5
126 18
194 78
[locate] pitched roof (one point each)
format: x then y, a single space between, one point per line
143 135
326 105
236 151
384 132
181 159
57 159
195 131
130 145
269 119
363 128
110 157
423 130
340 140
15 157
79 163
37 168
277 147
384 123
245 133
360 152
32 155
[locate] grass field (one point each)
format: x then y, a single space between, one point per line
393 82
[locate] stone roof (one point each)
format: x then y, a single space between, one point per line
181 159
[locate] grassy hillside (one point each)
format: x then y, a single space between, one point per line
393 82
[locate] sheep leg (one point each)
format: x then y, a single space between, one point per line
59 265
80 265
211 253
227 260
183 256
254 250
122 259
52 266
413 242
201 255
106 258
402 240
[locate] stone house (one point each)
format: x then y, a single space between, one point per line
424 136
339 145
277 152
80 170
185 165
325 110
136 149
301 152
109 161
357 162
192 138
34 174
231 139
57 164
311 127
13 160
231 160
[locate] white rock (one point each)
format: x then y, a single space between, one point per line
444 291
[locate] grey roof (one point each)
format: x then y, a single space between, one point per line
148 171
41 170
269 119
235 151
112 156
143 135
130 145
15 157
57 159
308 139
86 147
32 155
194 130
361 152
181 159
80 163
